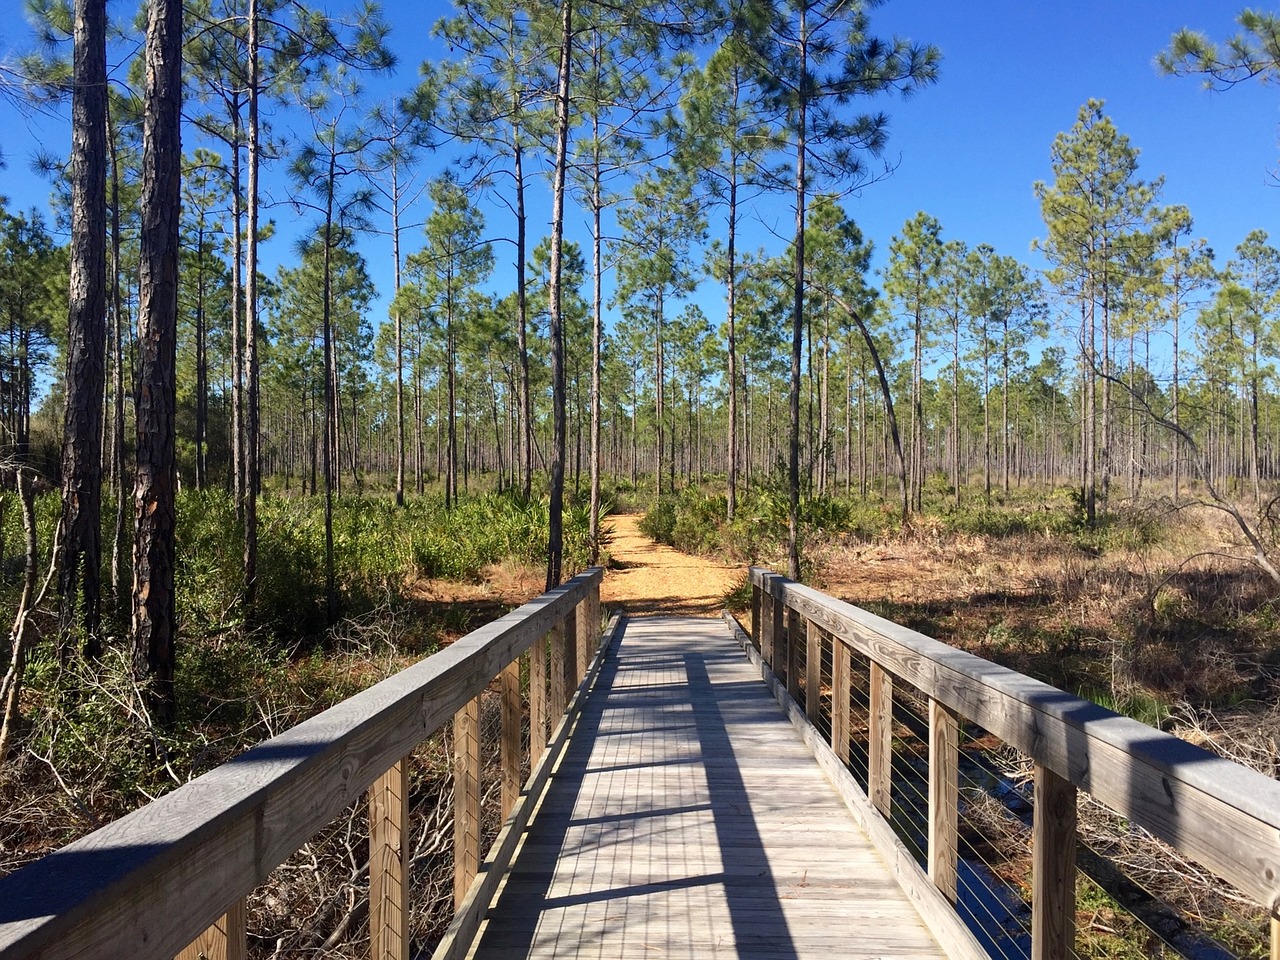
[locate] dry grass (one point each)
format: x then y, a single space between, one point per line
1132 618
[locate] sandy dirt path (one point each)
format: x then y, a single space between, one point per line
648 578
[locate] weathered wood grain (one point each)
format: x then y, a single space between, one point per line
1220 814
841 693
795 643
558 686
225 940
756 634
944 798
510 747
777 628
1053 877
938 914
880 739
466 799
458 938
766 622
813 671
147 884
388 887
687 820
537 700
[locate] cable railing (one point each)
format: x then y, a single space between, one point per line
903 721
172 878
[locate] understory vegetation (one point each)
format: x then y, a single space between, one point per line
239 684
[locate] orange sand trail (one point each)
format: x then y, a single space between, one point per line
648 578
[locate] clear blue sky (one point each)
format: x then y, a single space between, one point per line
968 150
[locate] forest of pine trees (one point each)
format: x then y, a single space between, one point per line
150 351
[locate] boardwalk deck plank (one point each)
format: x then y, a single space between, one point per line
687 819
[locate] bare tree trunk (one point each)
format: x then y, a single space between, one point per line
154 493
522 322
119 571
252 466
597 336
395 253
86 337
555 544
797 324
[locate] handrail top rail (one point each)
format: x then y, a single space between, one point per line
231 826
1215 810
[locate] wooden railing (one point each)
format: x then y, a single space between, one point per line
171 878
1220 814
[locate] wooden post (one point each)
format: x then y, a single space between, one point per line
757 636
225 940
466 799
841 681
388 873
510 750
587 629
1275 937
813 672
1053 879
777 629
794 641
537 700
571 675
944 797
559 698
766 623
880 739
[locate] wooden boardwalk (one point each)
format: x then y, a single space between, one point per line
688 819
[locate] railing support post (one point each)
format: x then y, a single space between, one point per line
944 797
225 940
777 629
510 750
388 876
466 799
766 622
1053 880
586 623
794 641
880 739
559 678
757 635
813 672
841 684
537 700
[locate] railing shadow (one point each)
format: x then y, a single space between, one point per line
680 728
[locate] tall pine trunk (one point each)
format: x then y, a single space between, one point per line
797 324
555 542
252 465
79 576
154 493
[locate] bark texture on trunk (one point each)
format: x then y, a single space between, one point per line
555 537
79 584
154 490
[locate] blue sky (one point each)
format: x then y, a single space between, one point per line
968 150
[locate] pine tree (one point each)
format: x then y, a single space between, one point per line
155 492
79 589
815 57
1096 204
